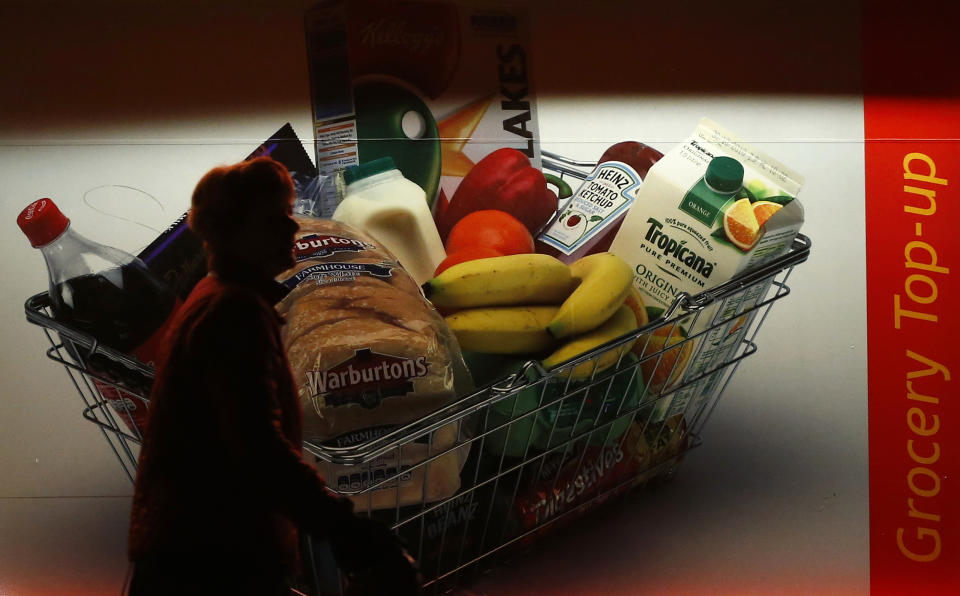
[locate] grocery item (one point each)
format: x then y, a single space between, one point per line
504 329
731 320
400 479
575 407
676 236
582 478
622 322
434 85
510 279
393 210
177 255
503 180
604 281
368 353
695 224
587 471
365 348
589 221
469 253
663 366
101 291
508 306
490 228
715 189
635 301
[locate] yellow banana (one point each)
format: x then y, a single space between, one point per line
504 329
622 322
498 281
605 282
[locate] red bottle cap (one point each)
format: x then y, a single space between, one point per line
42 222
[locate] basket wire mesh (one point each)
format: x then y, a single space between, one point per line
535 448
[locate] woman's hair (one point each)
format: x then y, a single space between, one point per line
227 195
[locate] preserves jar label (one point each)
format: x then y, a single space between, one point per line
605 194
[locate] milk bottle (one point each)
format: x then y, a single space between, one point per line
379 200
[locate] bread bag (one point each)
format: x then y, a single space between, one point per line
368 353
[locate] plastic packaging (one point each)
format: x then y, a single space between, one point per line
102 291
368 354
394 210
312 198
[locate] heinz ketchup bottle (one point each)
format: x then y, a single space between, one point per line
103 292
589 221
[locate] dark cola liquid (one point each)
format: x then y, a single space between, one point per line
121 309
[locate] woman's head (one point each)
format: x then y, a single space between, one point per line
242 212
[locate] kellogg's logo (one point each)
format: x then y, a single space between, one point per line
316 246
400 34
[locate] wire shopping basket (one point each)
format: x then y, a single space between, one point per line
527 451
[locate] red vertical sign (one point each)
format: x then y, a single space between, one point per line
912 132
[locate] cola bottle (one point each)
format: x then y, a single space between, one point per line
103 292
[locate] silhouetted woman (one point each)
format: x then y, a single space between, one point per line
221 488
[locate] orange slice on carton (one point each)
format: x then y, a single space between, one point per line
635 301
740 224
762 210
663 365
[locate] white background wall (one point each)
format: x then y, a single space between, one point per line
151 94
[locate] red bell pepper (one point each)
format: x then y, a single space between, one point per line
502 180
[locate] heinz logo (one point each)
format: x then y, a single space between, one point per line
367 378
315 245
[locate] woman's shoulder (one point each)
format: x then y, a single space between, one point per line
223 302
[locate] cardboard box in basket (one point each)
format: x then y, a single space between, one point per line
711 208
436 86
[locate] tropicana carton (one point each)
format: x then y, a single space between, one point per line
711 208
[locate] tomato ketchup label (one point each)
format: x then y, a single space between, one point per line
605 195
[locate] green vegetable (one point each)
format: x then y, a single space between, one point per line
589 404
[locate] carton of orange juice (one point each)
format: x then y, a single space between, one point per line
711 208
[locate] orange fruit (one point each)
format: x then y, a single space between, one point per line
635 301
740 224
660 372
662 365
736 326
490 228
468 253
762 210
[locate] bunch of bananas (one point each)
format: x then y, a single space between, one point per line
534 304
